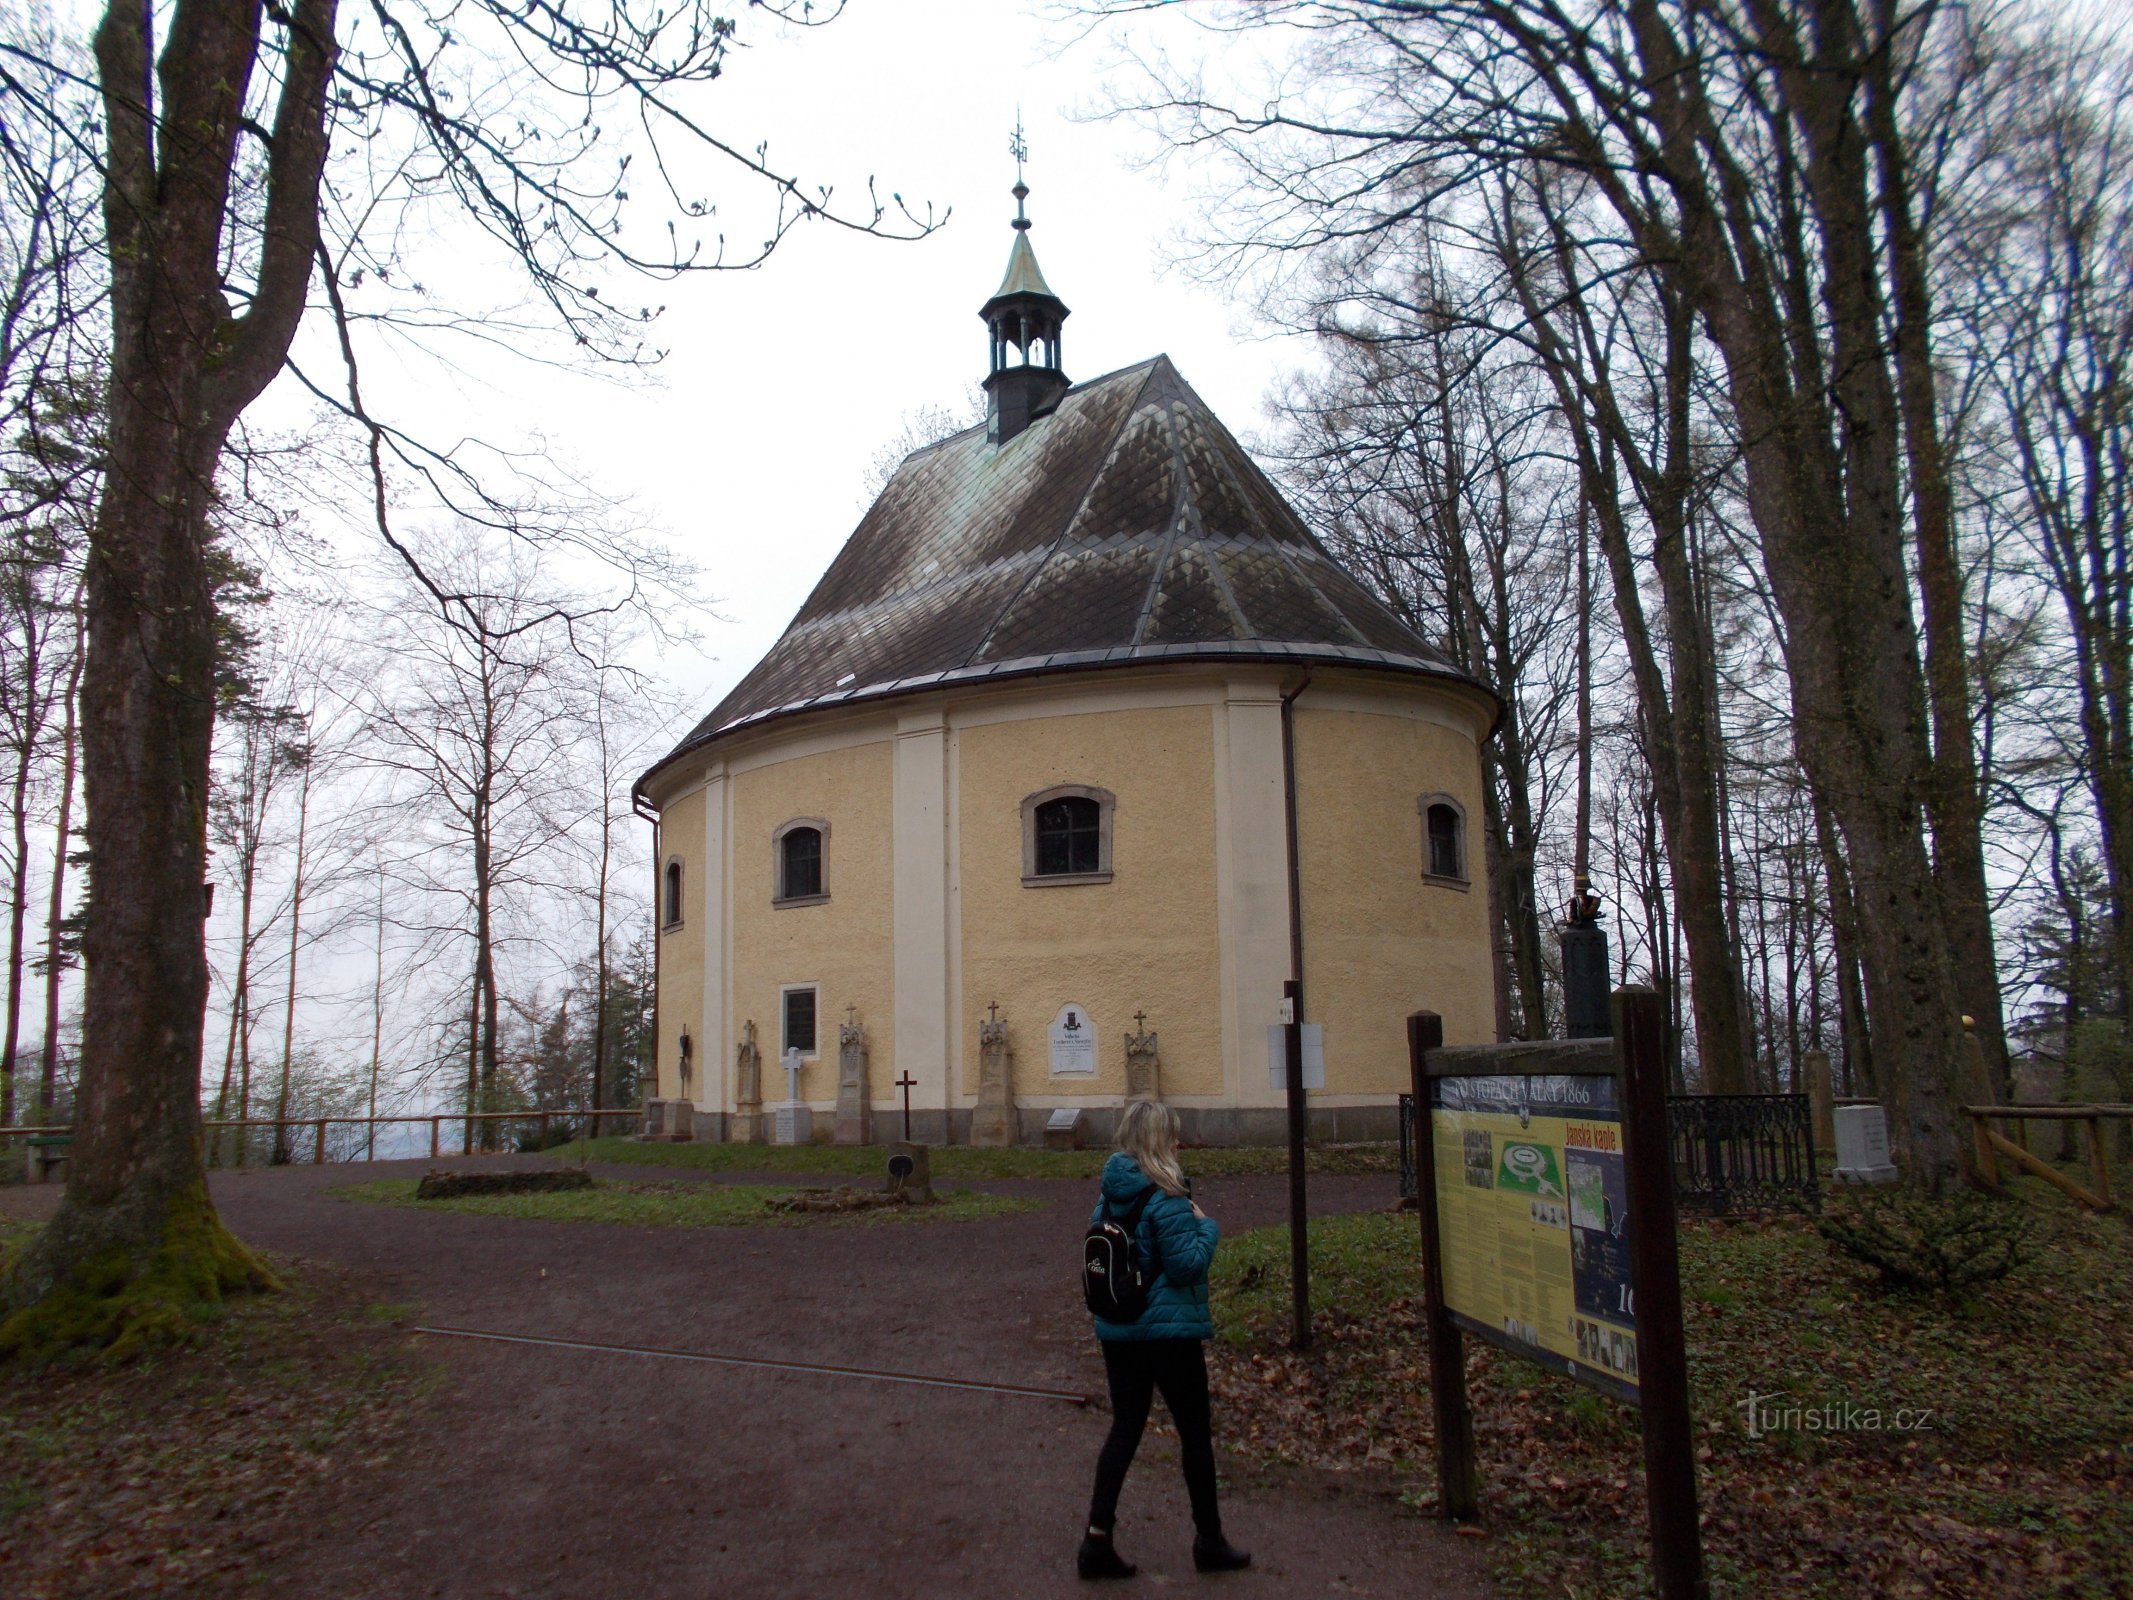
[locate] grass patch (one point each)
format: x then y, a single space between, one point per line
680 1205
167 1473
961 1162
2016 1483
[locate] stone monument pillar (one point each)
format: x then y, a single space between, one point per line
1821 1098
748 1089
993 1125
793 1122
854 1123
1144 1066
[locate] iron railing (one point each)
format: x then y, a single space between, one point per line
1743 1152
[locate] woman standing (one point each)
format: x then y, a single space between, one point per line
1162 1348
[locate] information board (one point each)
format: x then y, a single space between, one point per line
1533 1207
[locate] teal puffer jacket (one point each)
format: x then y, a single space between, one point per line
1182 1244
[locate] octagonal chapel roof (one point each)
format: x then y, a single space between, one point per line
1125 527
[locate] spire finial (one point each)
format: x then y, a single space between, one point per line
1018 147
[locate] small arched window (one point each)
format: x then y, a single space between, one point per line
1066 836
800 863
1443 839
670 910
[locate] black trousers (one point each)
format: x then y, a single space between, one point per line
1137 1368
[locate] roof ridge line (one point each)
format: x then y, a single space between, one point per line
1180 507
1074 515
1280 551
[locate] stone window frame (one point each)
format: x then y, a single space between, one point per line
779 899
777 1062
1464 878
673 879
1106 806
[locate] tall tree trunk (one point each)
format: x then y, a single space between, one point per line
18 889
56 906
136 1222
288 1012
377 1029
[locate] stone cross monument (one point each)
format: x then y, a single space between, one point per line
993 1123
854 1123
1144 1066
748 1089
795 1123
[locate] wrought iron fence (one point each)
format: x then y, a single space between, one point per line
1743 1152
1732 1152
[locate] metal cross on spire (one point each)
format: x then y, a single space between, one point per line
1018 147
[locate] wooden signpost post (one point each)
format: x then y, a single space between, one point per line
1557 1152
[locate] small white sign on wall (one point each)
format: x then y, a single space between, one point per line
1277 1056
1073 1041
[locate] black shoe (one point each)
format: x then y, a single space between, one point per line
1099 1558
1216 1554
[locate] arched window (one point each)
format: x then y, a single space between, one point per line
1443 839
800 862
670 912
1066 836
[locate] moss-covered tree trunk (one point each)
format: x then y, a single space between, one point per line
135 1244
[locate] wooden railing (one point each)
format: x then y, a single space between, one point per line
1991 1145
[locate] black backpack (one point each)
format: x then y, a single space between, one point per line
1112 1279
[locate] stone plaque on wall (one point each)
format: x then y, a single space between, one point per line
1073 1042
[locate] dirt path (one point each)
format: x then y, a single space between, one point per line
571 1473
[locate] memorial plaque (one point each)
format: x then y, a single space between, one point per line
1063 1130
1863 1145
1073 1041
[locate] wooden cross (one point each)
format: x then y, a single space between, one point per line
907 1083
994 1008
1140 1017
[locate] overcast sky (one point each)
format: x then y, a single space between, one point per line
749 447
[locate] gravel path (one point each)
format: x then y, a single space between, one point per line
571 1473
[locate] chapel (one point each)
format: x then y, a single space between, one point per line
1002 825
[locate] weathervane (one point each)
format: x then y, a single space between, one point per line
1018 147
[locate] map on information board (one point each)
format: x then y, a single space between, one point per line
1533 1212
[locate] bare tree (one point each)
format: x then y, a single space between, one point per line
220 120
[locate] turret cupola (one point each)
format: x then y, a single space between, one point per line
1025 380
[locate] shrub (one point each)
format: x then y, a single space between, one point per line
1914 1241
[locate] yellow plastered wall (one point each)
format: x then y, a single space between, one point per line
1145 941
1380 942
681 948
843 945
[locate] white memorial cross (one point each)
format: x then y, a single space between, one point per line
792 1075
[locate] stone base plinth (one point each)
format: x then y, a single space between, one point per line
793 1125
992 1127
854 1124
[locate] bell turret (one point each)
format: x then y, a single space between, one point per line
1024 316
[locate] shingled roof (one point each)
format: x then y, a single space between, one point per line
1124 528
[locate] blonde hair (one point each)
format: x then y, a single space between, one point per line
1148 1132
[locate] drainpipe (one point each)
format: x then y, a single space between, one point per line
650 813
1299 1244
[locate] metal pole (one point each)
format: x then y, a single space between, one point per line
1299 1238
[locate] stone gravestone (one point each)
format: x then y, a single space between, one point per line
1144 1067
1821 1099
993 1123
748 1089
1863 1145
854 1123
1063 1130
795 1122
910 1173
1073 1043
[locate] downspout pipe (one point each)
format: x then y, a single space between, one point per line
650 813
1293 991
